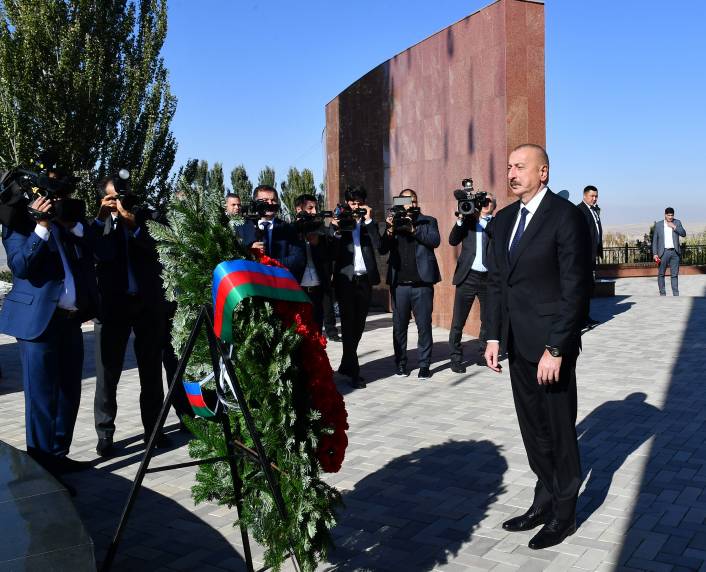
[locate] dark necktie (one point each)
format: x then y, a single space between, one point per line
266 236
520 231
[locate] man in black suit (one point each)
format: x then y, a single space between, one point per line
592 213
355 238
471 275
131 300
412 271
272 236
316 278
538 287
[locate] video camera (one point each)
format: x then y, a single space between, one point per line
469 201
348 217
306 223
19 187
403 219
258 209
121 184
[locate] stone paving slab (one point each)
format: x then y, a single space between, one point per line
434 467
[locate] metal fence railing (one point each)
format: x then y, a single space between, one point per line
691 254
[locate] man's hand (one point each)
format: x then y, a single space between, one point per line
127 216
368 212
42 205
548 369
107 206
492 351
671 225
258 246
656 258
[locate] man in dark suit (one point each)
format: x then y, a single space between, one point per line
412 271
592 213
316 278
471 275
538 287
131 300
272 236
53 292
666 249
355 272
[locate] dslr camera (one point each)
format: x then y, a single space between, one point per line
469 200
121 184
347 217
19 187
403 219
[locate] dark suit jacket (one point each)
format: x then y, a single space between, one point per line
343 251
112 249
658 237
321 255
596 234
543 294
466 236
427 237
37 280
286 246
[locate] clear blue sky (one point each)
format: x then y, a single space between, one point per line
625 91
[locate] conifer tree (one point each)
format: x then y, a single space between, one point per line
298 183
266 177
241 184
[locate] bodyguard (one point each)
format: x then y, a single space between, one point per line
666 249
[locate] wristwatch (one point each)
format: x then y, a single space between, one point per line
554 351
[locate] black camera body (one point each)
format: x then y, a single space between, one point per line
121 184
469 200
258 209
404 220
348 217
306 223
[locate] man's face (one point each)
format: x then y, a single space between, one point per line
354 204
233 205
591 198
526 173
110 192
414 202
488 206
309 207
270 197
669 217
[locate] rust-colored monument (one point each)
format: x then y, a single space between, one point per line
449 107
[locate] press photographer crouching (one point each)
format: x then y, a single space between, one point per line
412 271
131 300
266 234
53 292
309 223
474 213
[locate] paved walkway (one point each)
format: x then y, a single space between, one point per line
434 467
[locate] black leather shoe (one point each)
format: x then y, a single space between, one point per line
424 373
104 447
531 519
458 368
334 337
358 382
552 533
401 371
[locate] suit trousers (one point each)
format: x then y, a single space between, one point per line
353 303
330 327
112 335
669 258
51 374
180 402
547 419
316 295
474 286
405 300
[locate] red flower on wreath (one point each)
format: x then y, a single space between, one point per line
318 374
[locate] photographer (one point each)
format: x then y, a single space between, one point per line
131 300
412 271
317 272
470 277
355 238
53 292
271 236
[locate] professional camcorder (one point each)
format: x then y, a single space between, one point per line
469 201
258 209
306 223
348 217
403 219
20 187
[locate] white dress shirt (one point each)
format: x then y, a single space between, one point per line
531 207
67 297
668 236
359 267
311 277
478 265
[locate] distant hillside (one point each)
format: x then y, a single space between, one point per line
637 230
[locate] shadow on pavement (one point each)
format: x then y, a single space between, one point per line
416 512
607 437
605 309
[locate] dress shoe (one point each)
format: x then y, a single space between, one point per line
424 373
334 337
401 371
357 382
66 465
552 533
458 368
531 519
104 447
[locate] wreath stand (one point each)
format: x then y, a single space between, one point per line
235 448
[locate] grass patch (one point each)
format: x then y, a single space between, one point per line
6 276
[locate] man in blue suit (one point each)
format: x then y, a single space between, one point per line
272 236
412 271
53 292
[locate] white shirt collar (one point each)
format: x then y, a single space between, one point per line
533 205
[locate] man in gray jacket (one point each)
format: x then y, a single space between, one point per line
666 249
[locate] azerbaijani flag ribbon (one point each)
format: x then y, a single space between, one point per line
196 400
235 280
